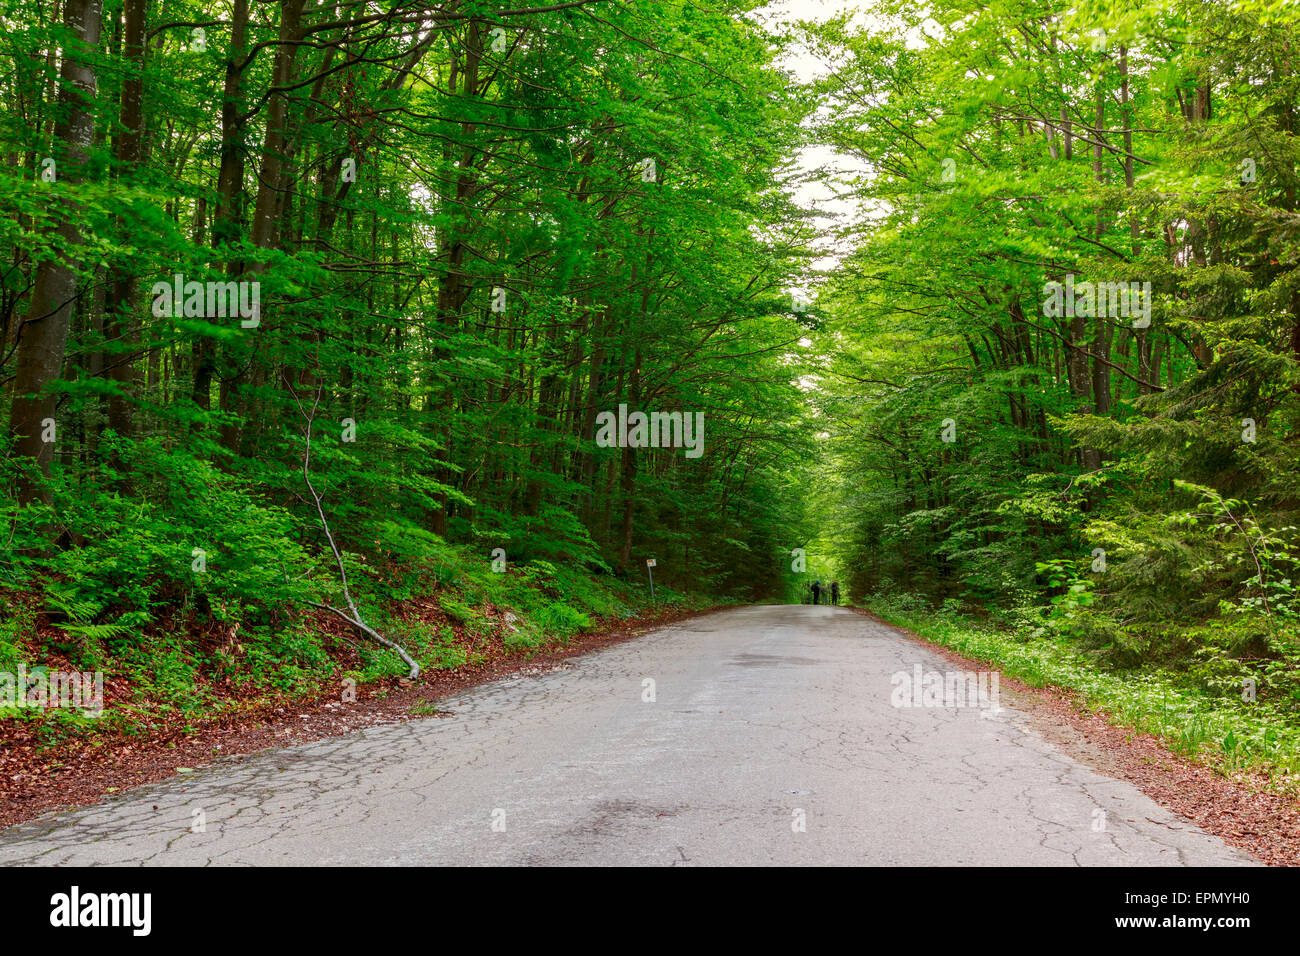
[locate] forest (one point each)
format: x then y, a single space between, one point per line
366 324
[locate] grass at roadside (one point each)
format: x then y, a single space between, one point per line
1230 734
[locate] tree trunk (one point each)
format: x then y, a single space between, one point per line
118 326
44 333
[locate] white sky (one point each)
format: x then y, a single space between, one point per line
833 210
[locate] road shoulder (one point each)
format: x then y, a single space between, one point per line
1263 823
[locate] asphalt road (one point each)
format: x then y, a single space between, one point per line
771 738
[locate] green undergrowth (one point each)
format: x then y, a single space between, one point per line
179 646
1214 725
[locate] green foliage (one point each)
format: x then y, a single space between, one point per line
458 275
1125 490
561 619
439 424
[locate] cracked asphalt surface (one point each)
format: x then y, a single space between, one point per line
763 718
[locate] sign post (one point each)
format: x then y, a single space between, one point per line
649 566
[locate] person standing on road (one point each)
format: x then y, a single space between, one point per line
817 592
835 592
